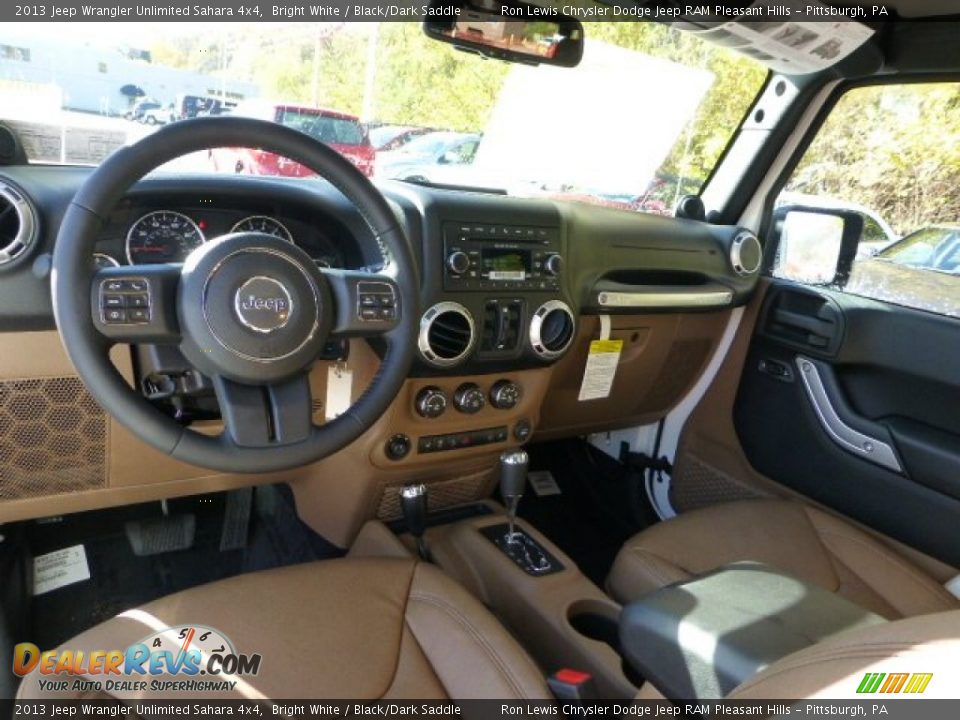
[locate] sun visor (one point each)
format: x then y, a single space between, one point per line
791 38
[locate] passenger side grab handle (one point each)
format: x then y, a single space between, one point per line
831 411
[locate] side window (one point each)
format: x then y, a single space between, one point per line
889 155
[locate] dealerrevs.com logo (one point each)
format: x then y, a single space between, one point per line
191 658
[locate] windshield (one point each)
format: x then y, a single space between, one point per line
639 123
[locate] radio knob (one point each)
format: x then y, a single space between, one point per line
469 398
504 395
458 262
431 402
554 265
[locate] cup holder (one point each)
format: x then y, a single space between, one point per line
600 621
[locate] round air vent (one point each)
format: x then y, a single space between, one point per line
446 334
551 329
746 254
18 225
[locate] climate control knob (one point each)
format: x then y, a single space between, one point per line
505 394
458 262
469 398
554 265
431 402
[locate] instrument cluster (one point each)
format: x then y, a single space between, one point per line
147 236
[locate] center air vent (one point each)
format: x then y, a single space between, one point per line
446 334
551 329
17 225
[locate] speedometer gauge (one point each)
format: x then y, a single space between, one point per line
163 236
263 224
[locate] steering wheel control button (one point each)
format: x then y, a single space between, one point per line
263 304
124 301
469 398
398 447
431 402
504 395
376 302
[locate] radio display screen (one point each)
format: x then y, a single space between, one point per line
506 264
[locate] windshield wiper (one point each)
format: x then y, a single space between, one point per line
451 186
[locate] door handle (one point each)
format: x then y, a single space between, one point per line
847 438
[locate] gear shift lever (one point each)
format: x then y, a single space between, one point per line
413 503
513 481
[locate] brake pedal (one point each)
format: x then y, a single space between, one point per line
161 535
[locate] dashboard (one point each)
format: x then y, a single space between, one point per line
511 295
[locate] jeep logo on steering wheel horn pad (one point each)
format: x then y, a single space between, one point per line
263 304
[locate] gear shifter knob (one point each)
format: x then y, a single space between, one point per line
513 473
413 503
513 481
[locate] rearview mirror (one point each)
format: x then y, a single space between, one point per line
507 30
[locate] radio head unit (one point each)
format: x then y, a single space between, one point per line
501 257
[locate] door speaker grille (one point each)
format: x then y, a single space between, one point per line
52 438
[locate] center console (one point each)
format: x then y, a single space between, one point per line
700 639
560 617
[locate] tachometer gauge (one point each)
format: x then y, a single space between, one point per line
102 260
163 236
263 224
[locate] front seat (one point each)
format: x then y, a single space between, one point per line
915 657
790 536
372 628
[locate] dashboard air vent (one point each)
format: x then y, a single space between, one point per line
447 334
551 329
746 254
18 225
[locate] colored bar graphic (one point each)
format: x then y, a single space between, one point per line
918 682
870 682
913 683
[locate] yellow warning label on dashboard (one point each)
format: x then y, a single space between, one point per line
606 346
601 369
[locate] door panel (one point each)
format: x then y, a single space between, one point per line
891 377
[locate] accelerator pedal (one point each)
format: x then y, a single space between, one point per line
236 520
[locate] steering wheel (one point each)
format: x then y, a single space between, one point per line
249 310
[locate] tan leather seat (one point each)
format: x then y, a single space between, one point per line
834 669
803 541
349 629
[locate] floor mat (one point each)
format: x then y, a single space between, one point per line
599 508
119 579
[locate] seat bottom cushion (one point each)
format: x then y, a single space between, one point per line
808 543
369 628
